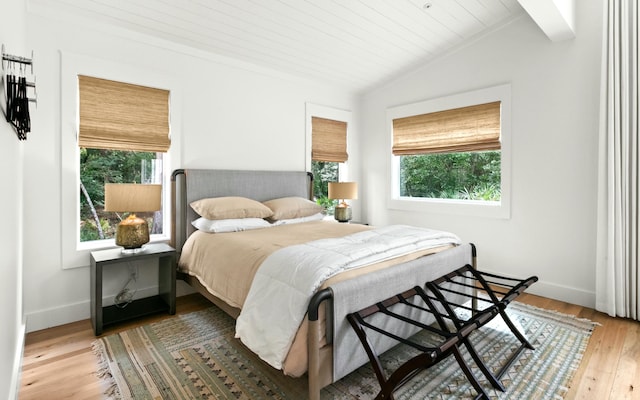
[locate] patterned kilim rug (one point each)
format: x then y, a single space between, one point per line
195 356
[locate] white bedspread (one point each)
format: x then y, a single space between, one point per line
286 280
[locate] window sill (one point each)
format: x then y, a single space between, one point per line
485 209
111 243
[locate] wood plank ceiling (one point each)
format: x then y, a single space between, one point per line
356 44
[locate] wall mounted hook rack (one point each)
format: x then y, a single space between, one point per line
17 93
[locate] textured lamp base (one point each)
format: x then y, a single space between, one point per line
342 214
132 233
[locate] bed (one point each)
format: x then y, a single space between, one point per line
323 345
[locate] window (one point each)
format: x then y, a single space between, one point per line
327 138
73 252
323 173
328 150
100 166
123 138
471 175
452 154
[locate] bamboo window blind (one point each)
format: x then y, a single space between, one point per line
472 128
122 116
328 140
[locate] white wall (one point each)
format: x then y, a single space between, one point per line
231 115
13 36
555 106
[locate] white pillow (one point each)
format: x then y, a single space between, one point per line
314 217
229 225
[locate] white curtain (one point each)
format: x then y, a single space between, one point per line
617 274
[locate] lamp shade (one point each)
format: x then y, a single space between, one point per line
132 197
343 190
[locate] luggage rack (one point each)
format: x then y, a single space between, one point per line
489 296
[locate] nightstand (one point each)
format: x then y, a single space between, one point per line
164 301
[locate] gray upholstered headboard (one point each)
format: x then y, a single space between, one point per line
189 185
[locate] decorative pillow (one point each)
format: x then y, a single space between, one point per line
292 207
229 225
230 207
314 217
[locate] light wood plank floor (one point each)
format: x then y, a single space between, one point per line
59 363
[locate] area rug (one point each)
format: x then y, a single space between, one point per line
195 356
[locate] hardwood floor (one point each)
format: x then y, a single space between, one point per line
59 363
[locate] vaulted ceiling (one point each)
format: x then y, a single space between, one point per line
357 44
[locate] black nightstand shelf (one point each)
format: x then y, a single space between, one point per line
136 309
165 301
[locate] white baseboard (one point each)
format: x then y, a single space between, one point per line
567 294
559 292
16 373
55 316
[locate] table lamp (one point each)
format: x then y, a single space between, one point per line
132 232
343 191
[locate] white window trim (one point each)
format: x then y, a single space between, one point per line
491 209
336 114
75 254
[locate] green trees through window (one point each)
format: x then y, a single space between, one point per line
323 173
463 176
97 167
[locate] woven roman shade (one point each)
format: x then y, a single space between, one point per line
122 116
328 140
472 128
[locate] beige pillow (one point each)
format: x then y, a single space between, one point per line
230 207
292 207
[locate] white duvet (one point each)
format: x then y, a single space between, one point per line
279 296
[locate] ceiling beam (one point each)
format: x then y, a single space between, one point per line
556 18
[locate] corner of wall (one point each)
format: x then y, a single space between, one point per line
14 381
